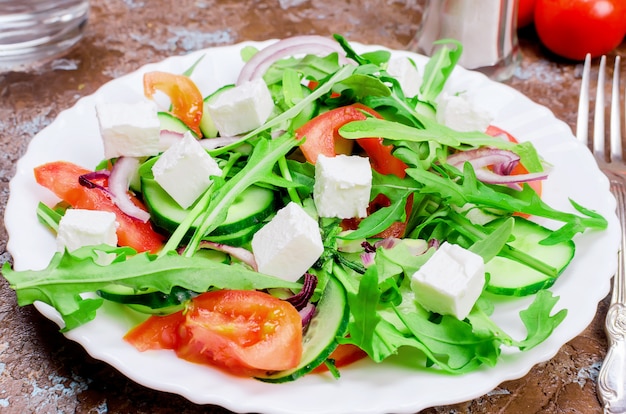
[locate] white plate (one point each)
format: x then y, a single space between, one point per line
393 386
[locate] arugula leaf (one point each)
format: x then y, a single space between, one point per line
350 52
363 86
48 216
536 318
470 190
439 68
440 134
259 166
367 329
70 274
380 219
451 344
490 246
539 324
310 66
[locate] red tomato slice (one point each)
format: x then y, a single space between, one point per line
344 355
186 98
519 169
243 332
322 137
380 155
61 178
381 158
157 332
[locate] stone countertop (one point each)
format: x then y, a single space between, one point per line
41 371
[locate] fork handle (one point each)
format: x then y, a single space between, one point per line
612 376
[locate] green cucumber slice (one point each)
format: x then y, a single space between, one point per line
319 341
207 126
509 277
236 239
150 302
253 206
170 123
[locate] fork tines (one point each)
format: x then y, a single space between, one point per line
615 128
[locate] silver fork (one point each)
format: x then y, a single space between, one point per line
612 378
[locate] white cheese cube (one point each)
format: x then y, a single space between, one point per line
79 228
450 282
184 170
407 75
458 113
129 129
242 108
342 186
289 244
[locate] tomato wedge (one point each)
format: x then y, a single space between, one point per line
380 155
61 178
322 137
185 96
243 332
519 169
157 332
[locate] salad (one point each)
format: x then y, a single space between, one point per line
431 186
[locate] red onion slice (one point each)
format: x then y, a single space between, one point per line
168 138
238 253
502 161
483 157
307 313
490 177
302 298
313 45
86 180
218 142
119 181
388 242
367 258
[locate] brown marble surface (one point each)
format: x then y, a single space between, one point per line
41 371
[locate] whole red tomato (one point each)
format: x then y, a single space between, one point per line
525 12
573 28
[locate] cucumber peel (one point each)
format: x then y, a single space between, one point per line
320 339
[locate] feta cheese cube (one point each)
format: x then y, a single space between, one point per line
129 129
184 170
342 186
79 228
242 108
450 281
289 244
407 75
458 113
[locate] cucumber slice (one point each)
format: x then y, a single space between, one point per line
207 126
250 208
509 277
151 302
170 123
253 206
319 341
236 239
